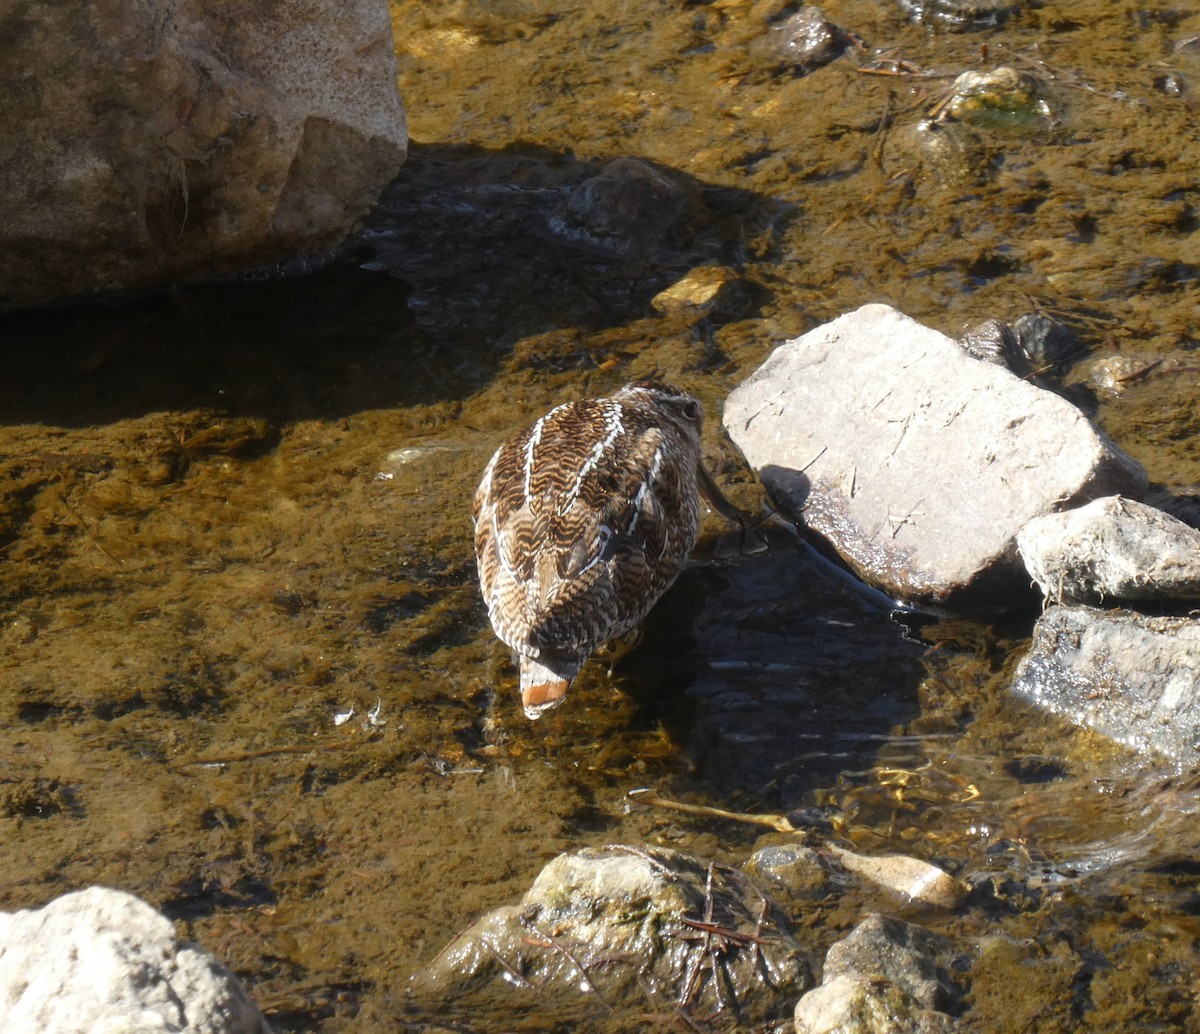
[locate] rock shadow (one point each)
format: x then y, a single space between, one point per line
469 251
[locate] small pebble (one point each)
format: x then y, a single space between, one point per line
919 881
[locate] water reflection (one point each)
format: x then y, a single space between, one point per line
792 673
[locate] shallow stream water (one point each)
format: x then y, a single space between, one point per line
230 513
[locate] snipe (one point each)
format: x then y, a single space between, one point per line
583 521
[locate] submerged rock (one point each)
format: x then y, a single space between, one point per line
157 142
103 960
996 98
918 463
913 879
793 868
1132 678
991 341
954 153
1113 548
626 923
1044 343
807 40
883 978
631 207
961 14
1113 375
1031 345
715 292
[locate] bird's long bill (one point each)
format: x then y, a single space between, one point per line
716 498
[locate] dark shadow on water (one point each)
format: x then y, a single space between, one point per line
785 671
282 349
203 894
546 240
469 251
789 674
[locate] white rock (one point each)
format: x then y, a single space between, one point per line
1113 547
1132 678
884 977
105 962
165 140
852 1005
913 878
916 461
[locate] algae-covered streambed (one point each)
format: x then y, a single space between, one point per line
229 513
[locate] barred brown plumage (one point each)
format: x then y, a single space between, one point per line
582 522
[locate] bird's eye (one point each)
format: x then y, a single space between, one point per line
691 409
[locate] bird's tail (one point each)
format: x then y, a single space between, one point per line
543 687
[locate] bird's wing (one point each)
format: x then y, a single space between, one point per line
575 544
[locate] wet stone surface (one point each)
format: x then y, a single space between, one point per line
230 514
1112 549
636 928
807 40
961 14
1001 98
1128 676
884 976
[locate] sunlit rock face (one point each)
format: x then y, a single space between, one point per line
104 960
917 462
886 974
1113 548
158 142
1130 677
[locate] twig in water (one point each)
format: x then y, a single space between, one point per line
779 823
714 953
588 983
1138 374
726 934
521 981
265 752
645 855
758 925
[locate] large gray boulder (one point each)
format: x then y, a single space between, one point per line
1113 548
152 141
1132 678
916 461
105 962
